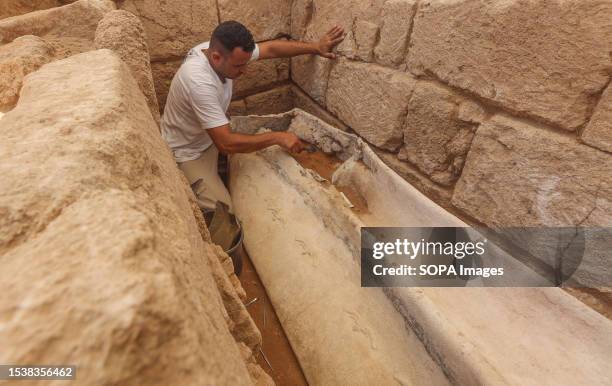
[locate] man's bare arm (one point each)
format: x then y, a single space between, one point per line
289 48
229 142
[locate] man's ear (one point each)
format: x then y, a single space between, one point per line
217 56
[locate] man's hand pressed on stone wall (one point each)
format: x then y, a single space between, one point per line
288 48
332 38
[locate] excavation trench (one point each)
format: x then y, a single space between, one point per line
302 216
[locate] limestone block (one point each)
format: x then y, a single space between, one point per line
93 199
237 107
517 174
543 59
371 99
69 29
261 74
123 33
301 14
17 59
397 18
598 132
435 139
316 17
266 19
302 101
311 73
439 194
19 7
470 111
174 27
163 72
273 101
366 34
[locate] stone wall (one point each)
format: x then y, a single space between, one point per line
175 27
10 8
498 110
129 287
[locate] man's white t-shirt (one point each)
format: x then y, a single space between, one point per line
197 101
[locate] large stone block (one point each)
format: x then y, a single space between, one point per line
303 101
436 139
123 33
517 174
311 73
163 72
174 27
19 7
261 74
397 18
266 19
237 107
359 18
301 14
366 35
544 59
598 132
371 99
69 29
17 59
93 199
439 194
274 101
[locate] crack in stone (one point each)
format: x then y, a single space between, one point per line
406 46
218 12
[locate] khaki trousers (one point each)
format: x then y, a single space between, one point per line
209 188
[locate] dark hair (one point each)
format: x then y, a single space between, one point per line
231 34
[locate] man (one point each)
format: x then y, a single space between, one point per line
195 123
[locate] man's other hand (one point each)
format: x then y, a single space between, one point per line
332 38
290 142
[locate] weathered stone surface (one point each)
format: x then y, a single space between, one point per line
275 101
266 19
237 107
301 14
93 199
311 73
123 33
366 34
261 74
435 139
302 101
471 111
316 17
17 59
396 25
19 7
439 194
163 72
598 132
517 174
545 59
371 99
78 20
69 29
174 27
